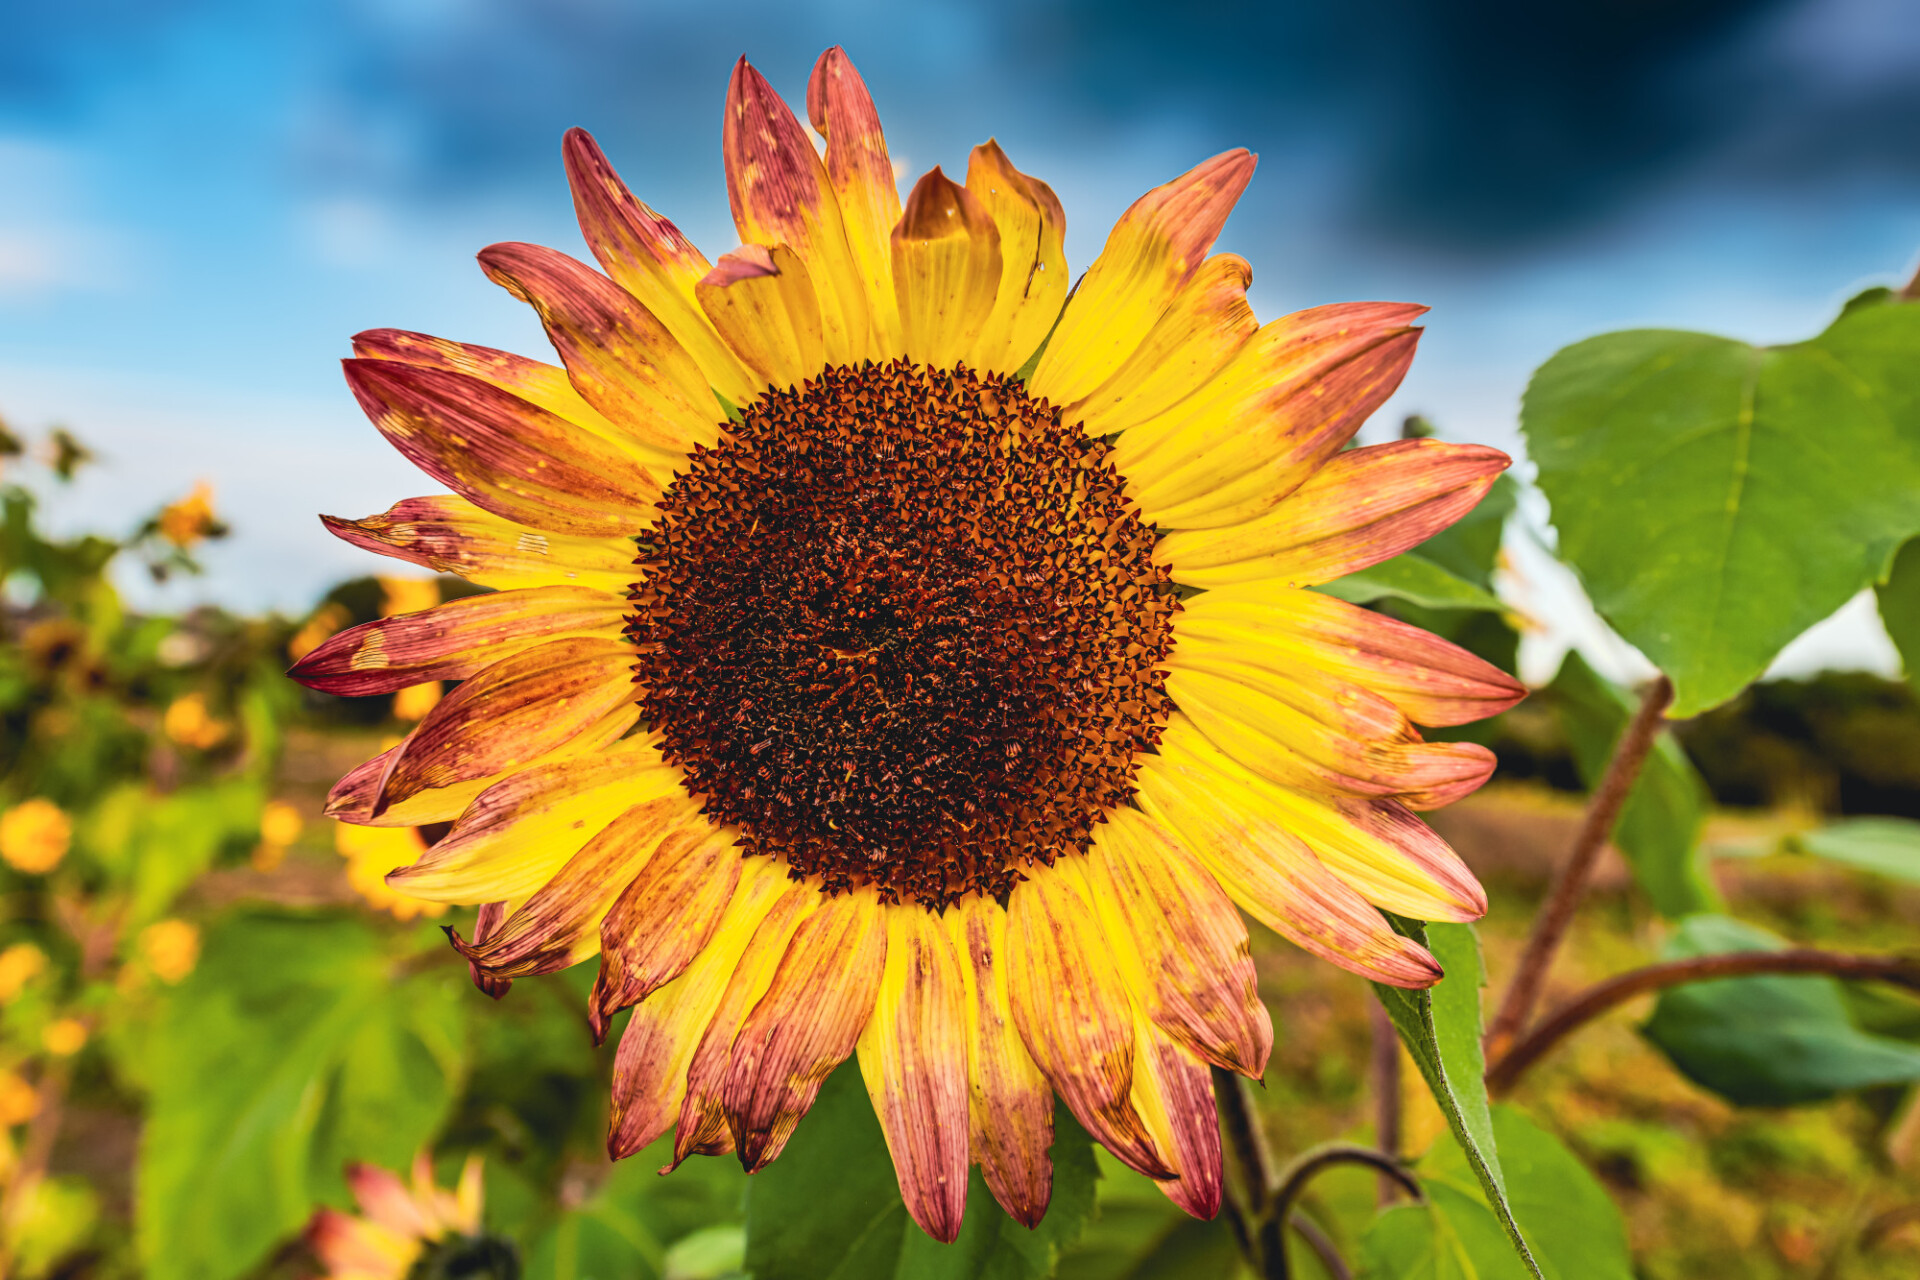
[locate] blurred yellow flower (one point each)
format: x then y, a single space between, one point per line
189 723
64 1037
397 1223
19 1102
408 595
371 852
34 835
280 823
20 964
171 948
414 701
326 620
189 520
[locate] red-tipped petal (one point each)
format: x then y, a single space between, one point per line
663 920
1173 1093
861 175
764 303
450 535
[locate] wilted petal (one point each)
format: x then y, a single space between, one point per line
861 174
663 920
1173 1093
450 535
762 301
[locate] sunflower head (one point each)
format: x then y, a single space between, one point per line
894 653
410 1231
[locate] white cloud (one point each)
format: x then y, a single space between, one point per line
48 241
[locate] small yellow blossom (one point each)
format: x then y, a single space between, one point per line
189 723
280 823
19 1101
407 595
34 835
64 1037
414 701
171 948
371 852
325 622
20 964
189 520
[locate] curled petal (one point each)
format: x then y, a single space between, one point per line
1172 923
841 111
1203 328
560 925
1152 251
648 257
1010 1106
623 361
1364 506
1376 846
913 1056
658 1045
761 299
531 380
1274 876
455 640
485 924
1173 1093
703 1126
1033 262
1073 1011
946 269
807 1023
521 830
1286 402
511 713
663 920
450 535
503 453
360 797
1272 625
780 195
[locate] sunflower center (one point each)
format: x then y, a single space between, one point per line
903 629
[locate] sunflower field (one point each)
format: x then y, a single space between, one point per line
894 757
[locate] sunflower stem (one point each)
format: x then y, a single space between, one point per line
1570 884
1901 971
1385 1072
1293 1181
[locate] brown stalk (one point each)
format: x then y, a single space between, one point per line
1384 1069
1556 914
1902 971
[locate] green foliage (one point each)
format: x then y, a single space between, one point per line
1441 1028
1767 1041
1716 498
1138 1234
1417 580
296 1046
829 1208
1659 828
1574 1229
1885 846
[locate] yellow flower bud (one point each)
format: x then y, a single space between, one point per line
64 1037
34 836
189 520
19 1101
171 948
20 964
189 723
280 823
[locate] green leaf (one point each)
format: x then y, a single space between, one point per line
1469 548
1885 846
640 1224
1454 1236
830 1209
1441 1029
295 1046
1412 578
1136 1233
1572 1223
1717 499
1899 600
1659 827
1766 1041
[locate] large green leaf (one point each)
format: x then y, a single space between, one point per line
1441 1029
1413 578
1453 1236
1572 1223
1767 1041
1717 499
639 1225
830 1209
1899 600
1659 828
1885 846
1136 1233
295 1046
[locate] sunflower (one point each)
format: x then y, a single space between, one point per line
896 653
404 1231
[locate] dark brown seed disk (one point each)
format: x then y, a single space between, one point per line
903 629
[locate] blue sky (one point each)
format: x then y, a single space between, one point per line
201 201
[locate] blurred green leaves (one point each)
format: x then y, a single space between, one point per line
295 1046
1884 846
1716 498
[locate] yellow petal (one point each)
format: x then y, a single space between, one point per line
448 534
946 268
1173 1092
762 302
861 174
663 919
1152 251
1033 263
